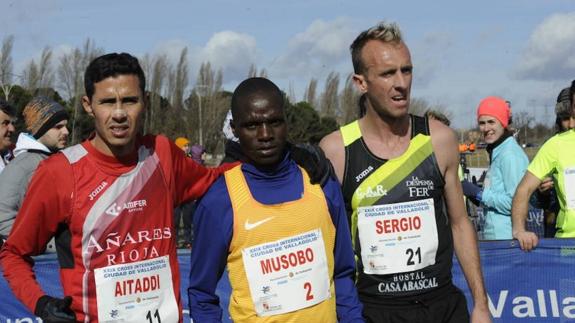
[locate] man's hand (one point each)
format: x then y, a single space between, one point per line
527 240
545 185
312 159
480 315
55 310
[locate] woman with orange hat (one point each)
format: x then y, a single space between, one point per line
507 164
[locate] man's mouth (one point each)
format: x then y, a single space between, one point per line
119 131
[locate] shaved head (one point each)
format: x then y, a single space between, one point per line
253 92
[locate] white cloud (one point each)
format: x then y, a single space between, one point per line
549 53
429 56
231 51
316 51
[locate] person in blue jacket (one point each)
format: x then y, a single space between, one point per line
508 163
286 243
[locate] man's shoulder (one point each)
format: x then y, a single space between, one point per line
332 143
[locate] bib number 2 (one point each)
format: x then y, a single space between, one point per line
308 295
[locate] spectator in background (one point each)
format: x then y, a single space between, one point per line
183 213
545 195
183 144
46 133
507 164
556 158
7 119
197 152
232 148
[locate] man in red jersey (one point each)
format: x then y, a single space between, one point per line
109 203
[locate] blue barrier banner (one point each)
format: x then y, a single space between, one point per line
538 286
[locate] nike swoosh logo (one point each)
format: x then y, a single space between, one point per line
249 226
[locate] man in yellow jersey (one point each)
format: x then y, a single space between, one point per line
286 243
399 180
555 158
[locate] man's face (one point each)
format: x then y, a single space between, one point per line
261 129
116 106
56 137
491 128
387 77
6 130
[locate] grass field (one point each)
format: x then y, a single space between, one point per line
480 158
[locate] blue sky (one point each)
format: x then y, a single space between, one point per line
523 50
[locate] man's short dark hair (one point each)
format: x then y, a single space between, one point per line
572 90
112 65
7 108
251 86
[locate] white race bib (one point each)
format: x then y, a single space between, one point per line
139 292
397 238
287 275
569 182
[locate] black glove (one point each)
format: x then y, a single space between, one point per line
472 191
55 310
313 160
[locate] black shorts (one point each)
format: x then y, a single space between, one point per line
449 308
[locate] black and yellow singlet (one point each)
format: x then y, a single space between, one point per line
399 222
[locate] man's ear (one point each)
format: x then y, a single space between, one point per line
360 82
87 105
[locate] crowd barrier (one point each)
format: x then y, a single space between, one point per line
538 286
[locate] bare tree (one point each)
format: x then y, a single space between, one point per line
310 93
39 76
160 68
71 76
349 98
253 72
6 60
208 105
6 65
329 98
180 80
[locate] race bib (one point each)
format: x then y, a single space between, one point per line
287 275
569 180
397 238
139 292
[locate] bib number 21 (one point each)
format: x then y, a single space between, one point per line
413 256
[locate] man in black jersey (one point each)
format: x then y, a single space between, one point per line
399 178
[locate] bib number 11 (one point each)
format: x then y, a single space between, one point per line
155 316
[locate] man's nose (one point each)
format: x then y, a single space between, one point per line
265 132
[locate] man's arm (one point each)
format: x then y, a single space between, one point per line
348 307
464 235
528 185
212 236
190 179
45 206
332 146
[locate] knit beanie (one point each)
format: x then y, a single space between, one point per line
563 106
181 142
495 107
196 153
41 114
